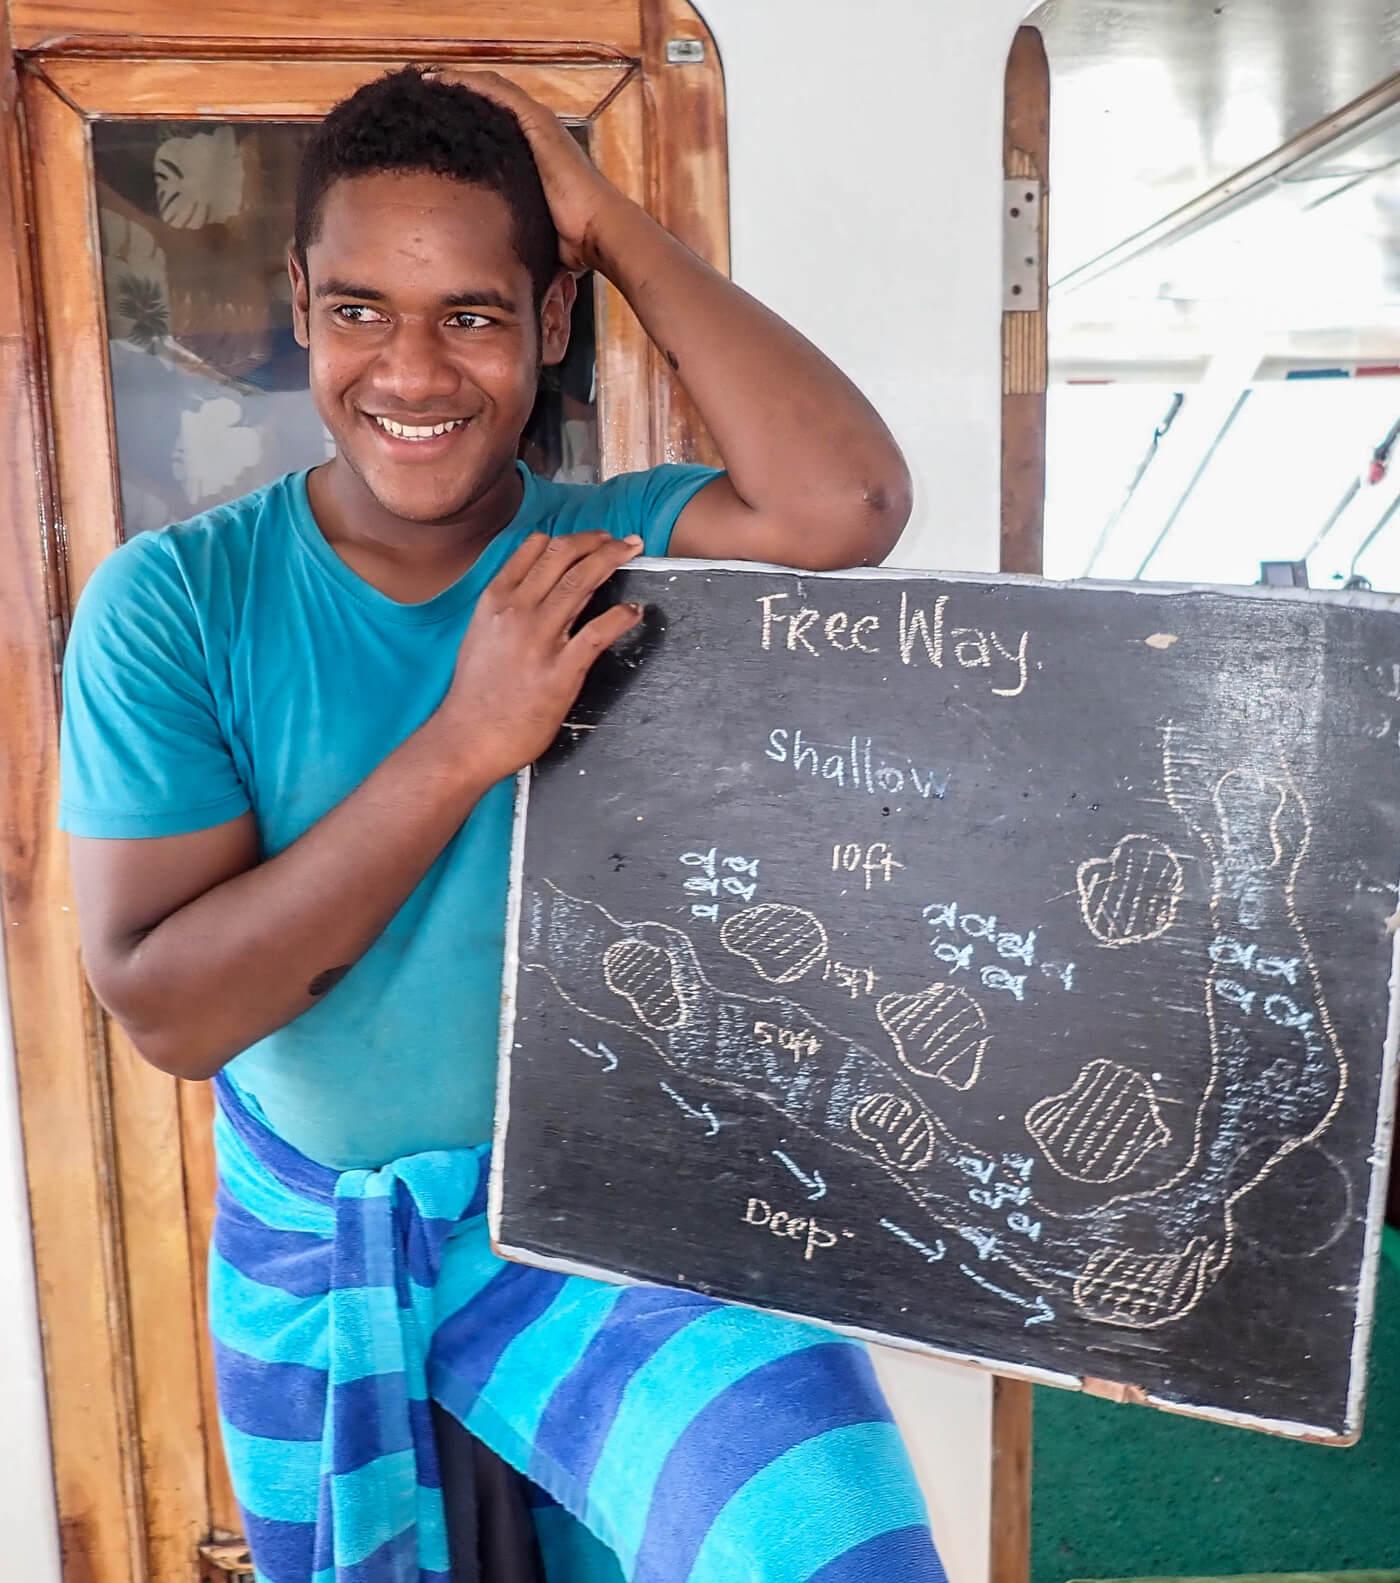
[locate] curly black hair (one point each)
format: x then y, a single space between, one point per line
407 121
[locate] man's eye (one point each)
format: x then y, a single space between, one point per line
470 321
350 313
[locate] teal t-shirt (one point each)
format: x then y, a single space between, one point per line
235 662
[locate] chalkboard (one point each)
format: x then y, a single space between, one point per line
996 967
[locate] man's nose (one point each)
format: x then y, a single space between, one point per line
413 368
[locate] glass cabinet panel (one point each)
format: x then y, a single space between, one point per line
209 388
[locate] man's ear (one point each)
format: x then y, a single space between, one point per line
556 318
301 298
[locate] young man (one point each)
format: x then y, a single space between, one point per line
290 728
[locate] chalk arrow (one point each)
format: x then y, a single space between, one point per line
816 1187
932 1254
703 1114
1041 1311
601 1053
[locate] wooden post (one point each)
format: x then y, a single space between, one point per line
688 147
1011 1481
1026 153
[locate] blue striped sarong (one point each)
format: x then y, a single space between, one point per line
672 1437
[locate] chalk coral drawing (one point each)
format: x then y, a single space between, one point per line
940 1032
898 1128
1120 1286
779 942
1137 1258
1131 895
1102 1127
641 974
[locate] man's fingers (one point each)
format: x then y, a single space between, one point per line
602 632
483 80
563 605
513 573
559 557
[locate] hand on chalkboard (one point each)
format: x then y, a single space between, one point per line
521 663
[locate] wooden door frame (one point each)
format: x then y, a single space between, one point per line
108 1141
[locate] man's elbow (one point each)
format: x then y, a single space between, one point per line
171 1052
154 1026
887 505
863 528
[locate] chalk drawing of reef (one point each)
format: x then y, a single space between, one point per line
1136 1259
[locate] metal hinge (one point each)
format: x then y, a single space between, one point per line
684 51
224 1560
1023 199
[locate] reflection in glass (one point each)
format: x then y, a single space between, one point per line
1304 472
209 388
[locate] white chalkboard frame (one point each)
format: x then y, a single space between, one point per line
1378 1159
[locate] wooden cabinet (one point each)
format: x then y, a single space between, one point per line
98 305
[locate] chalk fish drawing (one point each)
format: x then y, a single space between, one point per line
940 1032
780 943
1138 1259
1131 895
1102 1127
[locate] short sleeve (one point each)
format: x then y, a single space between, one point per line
648 503
141 752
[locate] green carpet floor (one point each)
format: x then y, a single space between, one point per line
1128 1492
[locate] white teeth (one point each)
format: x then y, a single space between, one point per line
404 431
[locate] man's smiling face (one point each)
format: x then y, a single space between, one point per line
424 337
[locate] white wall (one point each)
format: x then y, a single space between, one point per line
865 199
28 1520
865 168
865 203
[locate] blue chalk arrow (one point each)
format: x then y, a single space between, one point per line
933 1255
601 1053
814 1183
703 1114
1042 1312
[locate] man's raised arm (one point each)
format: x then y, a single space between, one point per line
813 476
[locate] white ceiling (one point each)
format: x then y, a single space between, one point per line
1157 102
